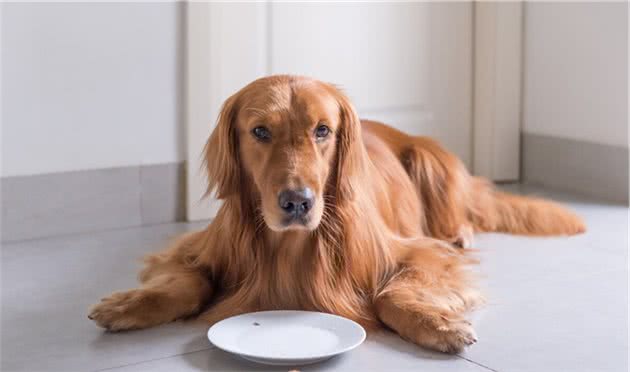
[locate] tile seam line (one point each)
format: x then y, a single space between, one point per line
477 363
151 360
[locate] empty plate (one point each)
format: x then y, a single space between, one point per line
286 337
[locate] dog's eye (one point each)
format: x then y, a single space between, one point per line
262 134
322 132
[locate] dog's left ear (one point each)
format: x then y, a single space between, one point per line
221 153
351 154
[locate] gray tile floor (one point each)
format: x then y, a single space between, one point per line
555 304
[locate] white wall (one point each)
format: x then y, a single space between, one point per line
91 85
576 71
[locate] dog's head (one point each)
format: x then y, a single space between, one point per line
294 142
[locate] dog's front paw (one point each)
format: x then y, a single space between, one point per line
123 310
454 337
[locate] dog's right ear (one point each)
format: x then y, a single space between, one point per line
221 153
351 156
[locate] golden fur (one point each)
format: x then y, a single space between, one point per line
381 244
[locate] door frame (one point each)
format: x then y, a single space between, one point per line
498 56
497 65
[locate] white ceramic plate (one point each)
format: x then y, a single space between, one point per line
286 337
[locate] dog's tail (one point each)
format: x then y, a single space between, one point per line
493 210
452 198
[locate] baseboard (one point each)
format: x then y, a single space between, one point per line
590 168
44 205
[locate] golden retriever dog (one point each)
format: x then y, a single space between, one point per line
322 211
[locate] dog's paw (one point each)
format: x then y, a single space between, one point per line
465 237
454 337
122 310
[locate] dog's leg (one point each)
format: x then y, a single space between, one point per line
427 301
442 183
170 290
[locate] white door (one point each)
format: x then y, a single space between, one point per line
407 64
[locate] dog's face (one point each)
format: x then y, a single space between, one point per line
284 135
287 145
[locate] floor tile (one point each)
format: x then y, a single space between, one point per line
48 285
511 264
576 324
557 303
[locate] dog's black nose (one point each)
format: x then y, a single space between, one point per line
296 202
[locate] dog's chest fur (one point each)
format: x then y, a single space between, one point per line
292 271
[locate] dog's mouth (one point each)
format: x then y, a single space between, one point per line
305 223
298 222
